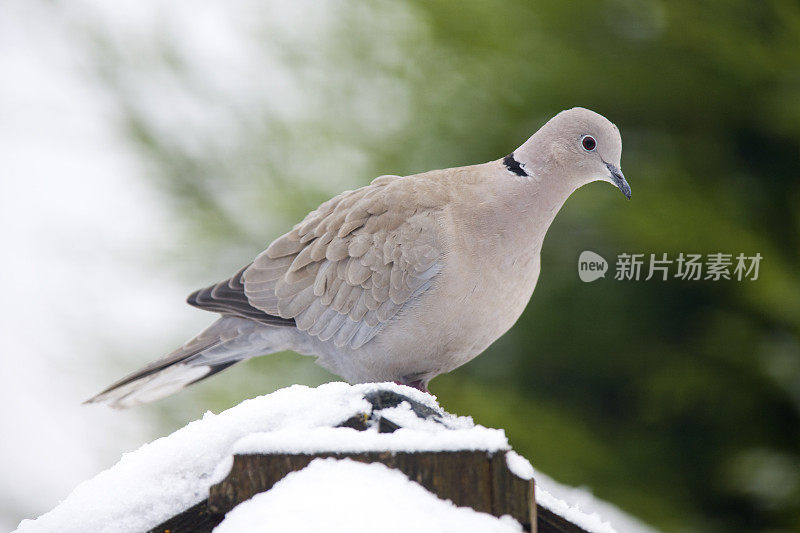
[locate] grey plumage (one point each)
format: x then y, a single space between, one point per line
403 279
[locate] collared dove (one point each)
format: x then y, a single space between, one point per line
401 280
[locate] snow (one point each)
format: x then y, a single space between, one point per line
591 522
415 435
350 440
580 507
575 505
518 465
169 475
344 496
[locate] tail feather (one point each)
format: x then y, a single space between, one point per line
152 386
224 343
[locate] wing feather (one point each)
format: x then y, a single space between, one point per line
228 298
353 263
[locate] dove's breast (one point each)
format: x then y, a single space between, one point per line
486 279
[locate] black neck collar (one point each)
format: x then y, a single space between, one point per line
513 165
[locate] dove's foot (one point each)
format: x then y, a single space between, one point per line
416 384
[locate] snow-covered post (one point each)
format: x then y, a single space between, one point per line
336 458
464 465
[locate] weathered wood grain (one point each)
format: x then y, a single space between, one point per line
511 495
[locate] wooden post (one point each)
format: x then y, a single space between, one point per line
477 479
469 479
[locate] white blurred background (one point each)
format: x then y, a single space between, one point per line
87 292
78 227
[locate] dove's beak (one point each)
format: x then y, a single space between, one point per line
619 180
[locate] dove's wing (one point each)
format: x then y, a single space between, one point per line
353 263
228 298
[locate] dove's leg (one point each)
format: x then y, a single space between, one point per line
419 385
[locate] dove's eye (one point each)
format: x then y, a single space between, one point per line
588 143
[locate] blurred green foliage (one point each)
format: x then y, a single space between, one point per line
679 401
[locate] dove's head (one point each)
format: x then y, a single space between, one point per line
577 146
